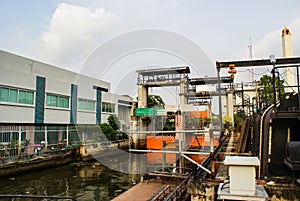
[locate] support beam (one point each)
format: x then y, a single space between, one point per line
229 105
19 140
262 62
183 90
142 96
200 166
46 137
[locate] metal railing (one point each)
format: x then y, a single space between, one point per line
19 144
162 192
181 189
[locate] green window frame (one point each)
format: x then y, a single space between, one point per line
4 92
57 101
51 100
84 104
14 95
63 102
25 97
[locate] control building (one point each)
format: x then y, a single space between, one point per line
38 96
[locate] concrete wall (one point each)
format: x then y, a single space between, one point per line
57 116
16 114
13 112
86 117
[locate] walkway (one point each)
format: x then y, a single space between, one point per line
142 191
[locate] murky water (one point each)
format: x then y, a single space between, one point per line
85 181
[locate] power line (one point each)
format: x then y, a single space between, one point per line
250 71
285 82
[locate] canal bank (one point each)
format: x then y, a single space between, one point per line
55 157
81 180
38 162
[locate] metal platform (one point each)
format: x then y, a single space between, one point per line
172 76
143 191
224 194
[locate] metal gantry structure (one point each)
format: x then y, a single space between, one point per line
278 151
179 76
176 76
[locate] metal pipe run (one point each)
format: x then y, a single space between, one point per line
220 102
200 166
168 151
170 132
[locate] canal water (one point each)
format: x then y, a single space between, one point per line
85 181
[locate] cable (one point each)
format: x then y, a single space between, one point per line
248 70
267 71
286 82
224 184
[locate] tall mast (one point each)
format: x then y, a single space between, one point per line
251 74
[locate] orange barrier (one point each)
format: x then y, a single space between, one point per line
154 158
199 114
197 157
156 142
192 141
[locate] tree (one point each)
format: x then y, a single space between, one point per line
108 131
155 101
267 93
114 122
237 120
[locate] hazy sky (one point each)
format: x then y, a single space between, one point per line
65 33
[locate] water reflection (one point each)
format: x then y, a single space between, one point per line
135 163
85 181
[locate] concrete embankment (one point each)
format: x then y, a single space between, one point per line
37 162
84 152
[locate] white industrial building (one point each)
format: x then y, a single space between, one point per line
34 94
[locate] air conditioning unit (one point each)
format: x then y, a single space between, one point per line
242 174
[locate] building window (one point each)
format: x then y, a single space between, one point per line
13 95
63 102
108 107
11 136
57 101
4 94
84 104
25 97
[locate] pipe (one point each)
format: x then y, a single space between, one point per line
167 151
261 138
200 166
220 101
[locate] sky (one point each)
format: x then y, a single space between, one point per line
71 33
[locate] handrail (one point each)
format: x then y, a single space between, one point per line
178 190
161 192
182 187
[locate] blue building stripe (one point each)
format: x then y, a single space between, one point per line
98 106
73 113
40 100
